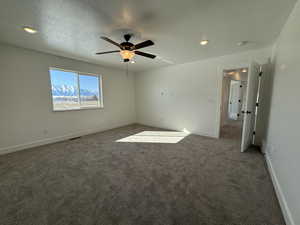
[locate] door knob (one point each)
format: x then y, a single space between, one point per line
248 112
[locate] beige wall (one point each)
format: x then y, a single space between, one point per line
225 100
188 95
282 138
26 117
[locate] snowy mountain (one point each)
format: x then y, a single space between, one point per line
65 90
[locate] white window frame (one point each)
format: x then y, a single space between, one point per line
100 105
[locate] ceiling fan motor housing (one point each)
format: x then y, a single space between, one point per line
127 37
127 45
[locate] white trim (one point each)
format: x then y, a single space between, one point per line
14 148
100 104
78 94
74 71
281 198
220 71
204 134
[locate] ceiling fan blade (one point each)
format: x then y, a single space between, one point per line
112 42
145 54
143 44
101 53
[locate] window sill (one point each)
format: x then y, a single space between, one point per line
77 109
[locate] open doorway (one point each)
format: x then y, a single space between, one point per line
234 87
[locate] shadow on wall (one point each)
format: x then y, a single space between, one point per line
267 97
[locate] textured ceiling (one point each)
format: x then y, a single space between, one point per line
72 28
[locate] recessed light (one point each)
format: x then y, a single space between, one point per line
204 42
132 62
29 30
244 70
242 43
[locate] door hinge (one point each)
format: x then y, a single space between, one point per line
260 73
253 132
257 104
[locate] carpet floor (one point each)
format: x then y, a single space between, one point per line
95 180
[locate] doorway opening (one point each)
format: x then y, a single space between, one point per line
234 87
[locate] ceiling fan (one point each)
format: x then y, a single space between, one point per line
129 50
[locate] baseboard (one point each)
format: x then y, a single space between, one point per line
46 141
206 135
169 128
281 198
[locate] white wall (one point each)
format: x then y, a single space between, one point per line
282 142
188 95
175 97
26 117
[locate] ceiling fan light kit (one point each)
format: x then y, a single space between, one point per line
126 54
127 49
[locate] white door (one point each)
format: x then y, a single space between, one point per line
249 111
234 99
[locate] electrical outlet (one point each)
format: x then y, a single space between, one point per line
45 131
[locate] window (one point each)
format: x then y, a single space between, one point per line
73 90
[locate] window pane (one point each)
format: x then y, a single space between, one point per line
64 87
89 91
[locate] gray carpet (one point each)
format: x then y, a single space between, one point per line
95 180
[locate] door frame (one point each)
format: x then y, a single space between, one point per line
220 72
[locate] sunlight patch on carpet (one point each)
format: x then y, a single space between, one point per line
171 137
